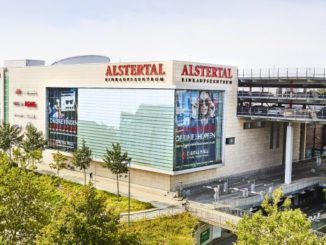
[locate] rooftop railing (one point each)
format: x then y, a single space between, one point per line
279 73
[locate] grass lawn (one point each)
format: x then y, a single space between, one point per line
111 199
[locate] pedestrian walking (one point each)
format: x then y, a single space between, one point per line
91 176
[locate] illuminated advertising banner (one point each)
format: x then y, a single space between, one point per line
62 118
198 128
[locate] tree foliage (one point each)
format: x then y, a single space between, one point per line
279 225
33 139
82 158
10 136
84 220
56 211
33 144
59 161
25 205
116 162
26 160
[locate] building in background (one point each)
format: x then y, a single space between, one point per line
177 120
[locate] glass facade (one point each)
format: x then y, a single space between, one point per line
141 120
161 128
62 118
198 130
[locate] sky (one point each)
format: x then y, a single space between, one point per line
242 33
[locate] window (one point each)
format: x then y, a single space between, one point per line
230 141
254 124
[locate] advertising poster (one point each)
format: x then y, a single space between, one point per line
62 118
196 125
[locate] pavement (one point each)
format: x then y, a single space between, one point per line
201 194
302 173
158 198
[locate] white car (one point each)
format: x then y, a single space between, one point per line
275 111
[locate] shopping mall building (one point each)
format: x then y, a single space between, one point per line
182 123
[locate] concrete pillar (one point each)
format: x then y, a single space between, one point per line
288 154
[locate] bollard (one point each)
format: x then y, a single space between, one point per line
252 187
225 187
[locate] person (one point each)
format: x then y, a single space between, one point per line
57 110
197 133
203 111
206 107
90 176
203 130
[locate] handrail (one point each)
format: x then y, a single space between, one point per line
293 95
279 112
285 73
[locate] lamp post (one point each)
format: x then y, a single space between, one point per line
129 161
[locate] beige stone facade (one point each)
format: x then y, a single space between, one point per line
252 149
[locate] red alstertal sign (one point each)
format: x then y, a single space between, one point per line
135 70
206 71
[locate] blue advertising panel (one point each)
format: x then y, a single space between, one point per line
62 118
198 128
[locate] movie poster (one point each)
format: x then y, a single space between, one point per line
62 118
196 128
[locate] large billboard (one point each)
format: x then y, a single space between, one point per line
198 128
62 118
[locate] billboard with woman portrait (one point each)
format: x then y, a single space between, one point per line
198 130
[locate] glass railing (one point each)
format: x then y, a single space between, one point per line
312 95
264 111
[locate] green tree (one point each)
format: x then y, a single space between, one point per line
33 144
25 205
82 158
84 220
279 225
116 162
19 157
24 160
59 161
9 136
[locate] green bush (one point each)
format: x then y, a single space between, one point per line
171 230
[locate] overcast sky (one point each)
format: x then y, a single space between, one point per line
247 33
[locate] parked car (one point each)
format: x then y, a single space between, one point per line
258 110
267 94
322 95
275 111
322 113
243 110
